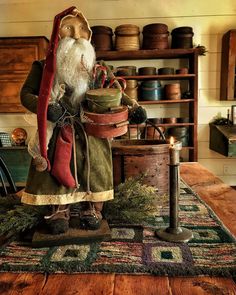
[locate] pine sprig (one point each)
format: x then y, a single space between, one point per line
133 203
16 218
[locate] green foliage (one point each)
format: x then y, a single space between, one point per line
134 202
16 217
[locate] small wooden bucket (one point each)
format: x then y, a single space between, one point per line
134 157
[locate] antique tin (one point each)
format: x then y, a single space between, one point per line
223 139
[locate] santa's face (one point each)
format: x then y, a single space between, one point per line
75 58
74 27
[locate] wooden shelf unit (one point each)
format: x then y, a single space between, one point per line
189 54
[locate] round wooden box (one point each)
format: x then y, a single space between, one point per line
101 100
108 125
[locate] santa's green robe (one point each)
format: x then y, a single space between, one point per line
41 187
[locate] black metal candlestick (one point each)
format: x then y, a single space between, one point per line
174 233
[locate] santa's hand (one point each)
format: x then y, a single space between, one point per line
55 112
137 115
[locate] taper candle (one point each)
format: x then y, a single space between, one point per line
174 149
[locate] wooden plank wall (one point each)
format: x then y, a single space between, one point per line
209 19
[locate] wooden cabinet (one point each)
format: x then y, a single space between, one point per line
18 160
16 57
190 56
228 66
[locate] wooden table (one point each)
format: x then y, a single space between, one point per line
220 197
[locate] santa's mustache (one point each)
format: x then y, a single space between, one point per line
76 49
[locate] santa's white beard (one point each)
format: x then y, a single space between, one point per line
74 64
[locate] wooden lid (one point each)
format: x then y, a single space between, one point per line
127 29
182 30
155 28
104 93
102 30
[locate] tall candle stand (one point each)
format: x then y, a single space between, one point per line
174 233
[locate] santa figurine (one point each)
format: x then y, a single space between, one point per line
68 166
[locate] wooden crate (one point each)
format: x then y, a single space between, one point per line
134 157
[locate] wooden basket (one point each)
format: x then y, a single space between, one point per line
134 157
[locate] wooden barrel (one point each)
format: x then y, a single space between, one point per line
127 37
102 38
134 157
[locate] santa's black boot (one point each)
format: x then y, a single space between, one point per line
58 221
91 218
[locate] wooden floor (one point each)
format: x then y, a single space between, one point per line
220 197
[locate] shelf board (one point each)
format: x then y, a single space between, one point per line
160 77
163 101
146 54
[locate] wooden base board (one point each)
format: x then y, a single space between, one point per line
73 236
